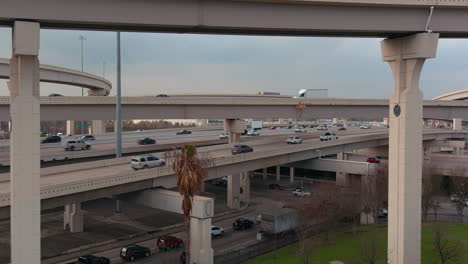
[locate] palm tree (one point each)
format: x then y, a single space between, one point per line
190 169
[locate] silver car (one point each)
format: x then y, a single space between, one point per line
146 161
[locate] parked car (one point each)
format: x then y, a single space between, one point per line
224 136
87 138
373 160
146 161
90 259
216 231
54 95
322 127
236 149
253 133
275 186
139 130
294 140
242 224
51 139
131 253
382 212
300 130
75 145
183 132
146 141
328 136
169 242
364 127
454 198
300 192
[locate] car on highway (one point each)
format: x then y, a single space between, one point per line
87 138
294 140
75 145
55 95
131 253
328 136
300 192
341 128
183 132
161 95
140 130
275 186
237 149
373 160
454 198
382 212
146 141
322 127
300 130
51 139
242 224
224 136
253 133
381 157
219 181
364 127
169 242
90 259
146 161
216 231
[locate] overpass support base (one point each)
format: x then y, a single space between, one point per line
245 187
233 191
73 218
24 148
406 56
342 178
70 127
98 127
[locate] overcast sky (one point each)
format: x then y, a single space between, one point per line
186 63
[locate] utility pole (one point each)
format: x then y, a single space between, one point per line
82 38
118 116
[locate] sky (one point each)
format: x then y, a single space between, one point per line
154 63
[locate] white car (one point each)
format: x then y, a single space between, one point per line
294 140
216 231
253 133
301 192
146 161
454 198
300 130
322 127
224 136
140 130
75 145
328 136
364 127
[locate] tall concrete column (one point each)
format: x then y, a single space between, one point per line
406 57
70 127
457 124
291 174
24 145
264 173
98 127
342 178
73 218
233 191
234 127
200 248
245 186
345 122
278 173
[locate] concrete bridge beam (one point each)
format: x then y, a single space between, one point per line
406 56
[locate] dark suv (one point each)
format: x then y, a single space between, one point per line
90 259
146 141
52 139
131 253
236 149
242 224
169 242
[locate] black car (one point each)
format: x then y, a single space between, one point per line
90 259
146 141
54 95
342 128
52 139
236 149
131 253
162 95
183 132
242 224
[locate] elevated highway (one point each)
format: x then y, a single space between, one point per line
53 74
103 108
92 180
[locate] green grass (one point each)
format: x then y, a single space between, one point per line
345 246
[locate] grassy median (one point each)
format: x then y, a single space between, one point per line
347 246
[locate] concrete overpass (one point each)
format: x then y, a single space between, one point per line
103 108
96 85
457 95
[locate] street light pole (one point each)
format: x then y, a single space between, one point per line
82 38
118 110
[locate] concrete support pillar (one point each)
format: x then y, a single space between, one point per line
234 127
24 145
245 186
291 174
406 57
233 191
457 124
73 218
70 127
264 173
200 241
385 121
278 173
342 178
335 120
345 122
98 127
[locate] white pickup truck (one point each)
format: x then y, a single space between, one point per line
301 192
328 136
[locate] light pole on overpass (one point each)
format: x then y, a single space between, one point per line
118 116
82 38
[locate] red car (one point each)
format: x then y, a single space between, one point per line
373 160
169 242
